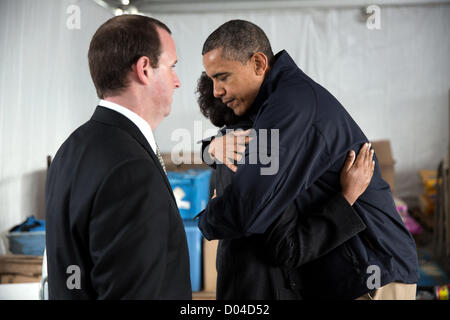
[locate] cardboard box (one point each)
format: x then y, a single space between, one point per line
14 278
386 161
448 183
194 239
181 163
209 265
191 190
429 181
426 204
20 268
428 198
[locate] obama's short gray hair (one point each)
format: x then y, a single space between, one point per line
239 40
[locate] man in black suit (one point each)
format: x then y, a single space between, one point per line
113 227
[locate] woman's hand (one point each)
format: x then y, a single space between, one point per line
356 174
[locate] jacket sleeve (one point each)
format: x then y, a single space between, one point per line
128 233
260 191
206 158
295 239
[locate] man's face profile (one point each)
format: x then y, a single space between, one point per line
165 79
236 84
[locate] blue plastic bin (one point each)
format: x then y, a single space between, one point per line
30 243
194 239
191 190
28 237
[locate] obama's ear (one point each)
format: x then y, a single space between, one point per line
260 63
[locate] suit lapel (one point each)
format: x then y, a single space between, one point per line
116 119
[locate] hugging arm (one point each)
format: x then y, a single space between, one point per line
296 238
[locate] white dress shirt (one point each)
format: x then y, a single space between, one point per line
143 125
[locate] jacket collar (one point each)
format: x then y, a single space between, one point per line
113 118
283 62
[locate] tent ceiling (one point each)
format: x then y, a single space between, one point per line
177 6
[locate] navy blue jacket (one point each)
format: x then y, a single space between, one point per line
315 135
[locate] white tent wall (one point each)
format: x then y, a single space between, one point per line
393 81
45 93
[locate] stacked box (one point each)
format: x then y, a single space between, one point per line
194 239
19 268
29 243
427 200
191 190
209 265
386 162
28 237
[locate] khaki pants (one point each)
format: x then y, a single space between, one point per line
392 291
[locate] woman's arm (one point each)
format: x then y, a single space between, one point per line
295 239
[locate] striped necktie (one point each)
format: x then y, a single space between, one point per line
161 161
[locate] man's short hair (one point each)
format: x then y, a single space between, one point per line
239 40
117 45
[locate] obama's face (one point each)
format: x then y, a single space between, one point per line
235 83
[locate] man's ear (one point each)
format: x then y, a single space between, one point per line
260 63
143 69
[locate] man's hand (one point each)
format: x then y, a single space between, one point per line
356 175
229 148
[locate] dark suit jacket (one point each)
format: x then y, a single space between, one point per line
263 266
110 211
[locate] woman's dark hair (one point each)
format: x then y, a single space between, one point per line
211 107
117 45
